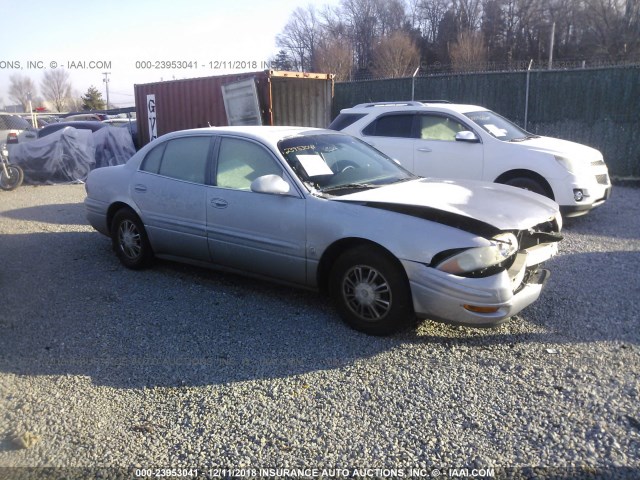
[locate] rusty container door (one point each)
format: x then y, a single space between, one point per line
301 99
191 103
285 98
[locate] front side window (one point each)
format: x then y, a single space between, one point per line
391 126
438 127
240 162
181 158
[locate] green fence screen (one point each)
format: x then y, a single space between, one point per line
596 107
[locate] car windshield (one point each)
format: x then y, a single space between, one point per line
498 126
339 163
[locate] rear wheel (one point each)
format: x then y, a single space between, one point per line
12 178
370 291
528 184
130 240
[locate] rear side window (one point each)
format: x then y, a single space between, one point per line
181 158
343 120
151 162
391 126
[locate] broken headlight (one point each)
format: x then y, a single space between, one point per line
478 259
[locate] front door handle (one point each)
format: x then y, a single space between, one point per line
424 149
219 203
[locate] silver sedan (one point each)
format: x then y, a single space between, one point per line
323 210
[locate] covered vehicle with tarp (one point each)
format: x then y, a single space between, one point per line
114 146
68 155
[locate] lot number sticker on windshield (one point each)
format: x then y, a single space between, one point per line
314 165
498 132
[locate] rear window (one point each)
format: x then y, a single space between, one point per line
400 125
343 120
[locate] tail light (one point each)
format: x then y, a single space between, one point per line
12 137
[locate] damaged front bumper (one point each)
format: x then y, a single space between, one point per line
479 302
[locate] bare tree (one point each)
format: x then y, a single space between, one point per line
74 101
391 15
431 13
395 56
21 90
300 37
360 17
608 29
469 52
56 88
335 55
469 13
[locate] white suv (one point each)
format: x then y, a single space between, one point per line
445 140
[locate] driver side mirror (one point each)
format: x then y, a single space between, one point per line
467 136
273 184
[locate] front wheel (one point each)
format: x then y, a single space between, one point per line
11 178
370 291
130 241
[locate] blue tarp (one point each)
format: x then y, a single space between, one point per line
68 155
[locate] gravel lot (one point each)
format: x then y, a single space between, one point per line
181 367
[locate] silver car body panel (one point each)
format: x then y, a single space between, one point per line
284 237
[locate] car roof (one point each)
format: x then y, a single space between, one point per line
268 134
412 105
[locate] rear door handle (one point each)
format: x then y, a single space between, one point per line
424 149
138 187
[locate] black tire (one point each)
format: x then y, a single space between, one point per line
528 183
130 241
14 178
370 291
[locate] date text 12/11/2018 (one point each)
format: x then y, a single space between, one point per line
208 65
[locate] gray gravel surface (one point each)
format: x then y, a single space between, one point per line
178 366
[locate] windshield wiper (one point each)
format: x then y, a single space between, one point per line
407 179
522 139
349 186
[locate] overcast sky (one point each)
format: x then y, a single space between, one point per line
116 34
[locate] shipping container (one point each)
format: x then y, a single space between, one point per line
266 97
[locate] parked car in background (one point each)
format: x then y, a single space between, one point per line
14 129
323 210
90 117
82 125
445 140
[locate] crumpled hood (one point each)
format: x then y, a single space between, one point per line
501 206
564 148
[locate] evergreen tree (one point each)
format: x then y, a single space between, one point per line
282 62
92 100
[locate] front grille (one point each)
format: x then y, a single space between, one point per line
602 179
597 163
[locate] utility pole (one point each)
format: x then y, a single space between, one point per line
106 82
552 41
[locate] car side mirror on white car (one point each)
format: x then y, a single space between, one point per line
467 136
273 184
